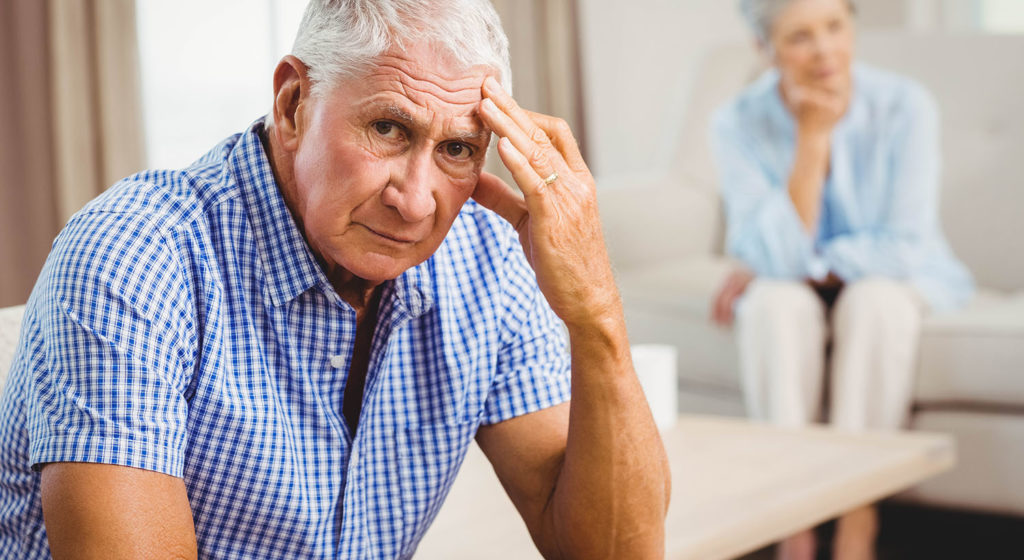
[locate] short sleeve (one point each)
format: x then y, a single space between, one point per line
533 367
109 376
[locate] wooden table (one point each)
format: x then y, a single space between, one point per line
736 486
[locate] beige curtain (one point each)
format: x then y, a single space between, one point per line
71 106
546 70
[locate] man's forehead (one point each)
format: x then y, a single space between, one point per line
427 74
425 87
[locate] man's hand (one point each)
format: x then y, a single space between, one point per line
558 223
591 481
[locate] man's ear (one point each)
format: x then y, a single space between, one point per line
291 89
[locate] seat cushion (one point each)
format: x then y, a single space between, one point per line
670 304
990 451
10 323
974 355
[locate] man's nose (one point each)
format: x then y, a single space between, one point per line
411 189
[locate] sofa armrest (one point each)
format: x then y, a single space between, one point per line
657 218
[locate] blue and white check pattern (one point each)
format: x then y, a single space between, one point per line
182 325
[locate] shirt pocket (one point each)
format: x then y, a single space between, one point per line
430 456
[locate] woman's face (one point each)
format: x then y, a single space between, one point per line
812 43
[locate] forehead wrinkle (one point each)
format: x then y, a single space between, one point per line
464 92
434 80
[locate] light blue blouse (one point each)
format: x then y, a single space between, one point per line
880 206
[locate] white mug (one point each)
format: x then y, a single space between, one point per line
655 366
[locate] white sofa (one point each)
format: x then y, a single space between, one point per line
665 235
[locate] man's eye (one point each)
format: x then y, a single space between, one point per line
387 129
458 150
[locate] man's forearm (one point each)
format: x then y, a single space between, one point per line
612 494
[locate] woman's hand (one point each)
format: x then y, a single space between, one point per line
733 287
816 109
556 216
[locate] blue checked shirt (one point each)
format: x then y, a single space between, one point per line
182 325
879 214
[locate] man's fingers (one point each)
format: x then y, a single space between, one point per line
537 150
493 90
562 138
526 177
492 193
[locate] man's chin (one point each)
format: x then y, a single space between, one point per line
376 267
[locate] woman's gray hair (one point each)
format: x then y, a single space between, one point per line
761 14
340 39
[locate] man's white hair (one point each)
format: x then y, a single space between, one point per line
339 39
761 14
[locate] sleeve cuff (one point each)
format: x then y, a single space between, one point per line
122 451
817 267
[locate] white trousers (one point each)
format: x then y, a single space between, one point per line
782 331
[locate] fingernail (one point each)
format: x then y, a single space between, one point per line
492 84
489 105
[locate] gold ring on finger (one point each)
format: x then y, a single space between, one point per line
551 178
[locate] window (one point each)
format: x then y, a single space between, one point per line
1002 16
207 69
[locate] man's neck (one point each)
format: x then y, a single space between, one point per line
357 292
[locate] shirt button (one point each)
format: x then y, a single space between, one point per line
337 362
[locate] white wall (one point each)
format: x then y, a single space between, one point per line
638 58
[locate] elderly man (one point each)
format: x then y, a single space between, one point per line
284 350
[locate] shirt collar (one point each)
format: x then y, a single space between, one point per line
289 266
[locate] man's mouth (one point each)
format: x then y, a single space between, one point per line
390 237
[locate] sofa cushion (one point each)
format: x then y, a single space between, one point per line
974 355
990 451
669 304
10 324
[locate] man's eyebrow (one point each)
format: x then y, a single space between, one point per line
467 135
400 114
397 112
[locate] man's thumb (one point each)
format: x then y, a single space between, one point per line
494 194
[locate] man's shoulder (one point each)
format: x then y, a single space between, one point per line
145 230
171 196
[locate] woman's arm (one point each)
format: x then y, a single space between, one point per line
817 111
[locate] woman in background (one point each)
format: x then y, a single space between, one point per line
830 176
